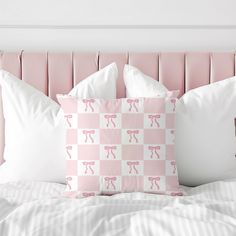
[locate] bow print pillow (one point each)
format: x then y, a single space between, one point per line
120 145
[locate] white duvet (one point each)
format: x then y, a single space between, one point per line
37 209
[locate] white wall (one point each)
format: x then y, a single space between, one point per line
118 25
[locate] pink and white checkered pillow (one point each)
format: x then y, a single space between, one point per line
121 145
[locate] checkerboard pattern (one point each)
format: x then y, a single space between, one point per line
121 145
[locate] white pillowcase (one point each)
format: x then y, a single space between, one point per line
140 85
35 127
205 133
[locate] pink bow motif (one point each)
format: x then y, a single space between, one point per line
110 150
68 117
88 135
173 163
132 135
68 150
173 101
154 120
68 179
110 182
88 167
154 151
88 104
110 119
85 194
132 104
132 166
154 182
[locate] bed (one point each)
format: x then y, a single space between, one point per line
39 208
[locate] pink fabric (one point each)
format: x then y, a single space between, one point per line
197 70
55 73
34 70
107 153
60 73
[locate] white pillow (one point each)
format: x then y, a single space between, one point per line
35 126
205 133
140 85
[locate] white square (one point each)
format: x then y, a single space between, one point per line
171 168
88 136
154 183
132 105
170 136
154 152
110 121
132 136
110 183
88 106
132 168
88 167
72 183
71 152
154 121
71 120
110 152
171 105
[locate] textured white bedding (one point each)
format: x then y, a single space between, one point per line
37 209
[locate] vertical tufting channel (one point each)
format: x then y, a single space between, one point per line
60 74
197 70
171 71
34 70
222 66
84 64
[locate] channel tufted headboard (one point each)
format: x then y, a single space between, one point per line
54 73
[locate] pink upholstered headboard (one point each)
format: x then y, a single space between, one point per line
55 73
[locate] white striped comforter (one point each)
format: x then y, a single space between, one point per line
37 209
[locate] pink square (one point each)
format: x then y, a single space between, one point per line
170 152
172 183
71 167
88 152
88 121
132 152
110 136
110 168
69 104
154 168
88 183
132 183
132 121
154 105
170 121
110 106
71 136
152 136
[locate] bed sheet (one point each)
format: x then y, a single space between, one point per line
38 209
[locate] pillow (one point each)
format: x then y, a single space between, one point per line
205 133
35 126
121 145
140 85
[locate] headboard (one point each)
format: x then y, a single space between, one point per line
54 73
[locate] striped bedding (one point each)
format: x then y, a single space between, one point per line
38 209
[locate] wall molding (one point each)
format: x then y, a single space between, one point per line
75 27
